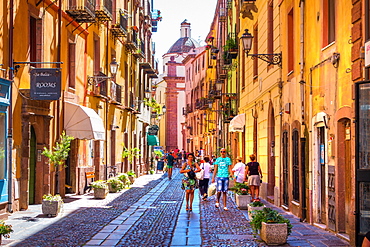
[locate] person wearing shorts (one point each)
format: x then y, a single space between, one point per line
170 162
254 173
222 172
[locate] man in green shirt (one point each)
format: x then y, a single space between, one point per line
222 172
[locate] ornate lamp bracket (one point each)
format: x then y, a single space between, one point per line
275 58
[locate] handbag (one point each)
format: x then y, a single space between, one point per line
200 175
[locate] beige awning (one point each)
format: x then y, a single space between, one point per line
237 123
82 122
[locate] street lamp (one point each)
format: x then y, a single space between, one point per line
113 67
164 109
273 58
219 84
147 93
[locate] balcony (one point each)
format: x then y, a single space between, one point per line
149 67
103 10
131 42
231 46
189 108
82 11
120 28
140 52
229 107
222 14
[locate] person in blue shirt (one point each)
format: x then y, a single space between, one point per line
170 161
222 172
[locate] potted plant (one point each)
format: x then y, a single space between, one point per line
115 185
100 189
130 154
5 230
58 154
252 207
131 176
51 204
124 178
273 227
242 196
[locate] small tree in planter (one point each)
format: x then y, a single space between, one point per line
58 154
100 189
131 154
273 227
5 230
51 204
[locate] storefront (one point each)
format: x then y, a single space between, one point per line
362 160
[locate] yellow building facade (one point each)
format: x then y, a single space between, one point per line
97 58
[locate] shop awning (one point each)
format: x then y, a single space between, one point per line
152 140
237 123
82 122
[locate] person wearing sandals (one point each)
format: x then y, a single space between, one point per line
254 173
222 171
189 183
203 184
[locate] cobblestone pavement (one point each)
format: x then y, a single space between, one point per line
152 213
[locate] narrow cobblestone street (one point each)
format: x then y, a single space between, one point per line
151 213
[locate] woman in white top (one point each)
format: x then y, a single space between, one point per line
203 184
239 170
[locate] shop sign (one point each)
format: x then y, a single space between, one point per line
153 130
45 83
367 54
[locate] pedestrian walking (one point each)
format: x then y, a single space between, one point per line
203 184
170 162
254 173
189 182
160 164
222 171
179 159
239 170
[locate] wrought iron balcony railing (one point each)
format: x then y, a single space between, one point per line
103 10
81 10
120 28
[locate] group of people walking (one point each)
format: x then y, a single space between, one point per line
223 172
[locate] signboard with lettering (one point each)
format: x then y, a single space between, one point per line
45 83
153 130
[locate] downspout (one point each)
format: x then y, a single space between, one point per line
10 110
58 116
106 105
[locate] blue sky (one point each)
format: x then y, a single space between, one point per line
199 14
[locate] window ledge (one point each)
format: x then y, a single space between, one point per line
329 45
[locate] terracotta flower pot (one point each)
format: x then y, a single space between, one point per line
274 233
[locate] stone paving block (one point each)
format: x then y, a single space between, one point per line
298 243
181 241
95 242
110 242
114 236
194 240
101 235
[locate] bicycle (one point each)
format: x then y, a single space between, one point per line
113 171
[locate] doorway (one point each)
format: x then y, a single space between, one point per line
32 169
321 175
271 153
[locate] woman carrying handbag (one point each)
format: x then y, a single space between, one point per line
189 182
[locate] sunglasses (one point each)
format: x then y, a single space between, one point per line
223 151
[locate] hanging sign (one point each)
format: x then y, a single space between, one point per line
153 130
45 83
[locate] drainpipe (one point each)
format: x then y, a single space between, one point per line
10 110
